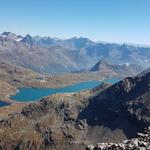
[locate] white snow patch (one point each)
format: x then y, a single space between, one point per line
17 40
127 64
146 60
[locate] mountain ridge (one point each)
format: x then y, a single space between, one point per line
55 56
126 69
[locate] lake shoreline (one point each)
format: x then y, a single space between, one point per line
32 94
50 91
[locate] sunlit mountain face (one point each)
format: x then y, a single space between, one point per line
52 55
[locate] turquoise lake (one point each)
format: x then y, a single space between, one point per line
27 94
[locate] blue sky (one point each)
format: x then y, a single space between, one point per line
100 20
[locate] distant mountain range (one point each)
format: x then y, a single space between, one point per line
52 55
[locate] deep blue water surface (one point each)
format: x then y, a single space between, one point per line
32 94
2 104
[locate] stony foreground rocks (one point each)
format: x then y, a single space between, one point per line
142 142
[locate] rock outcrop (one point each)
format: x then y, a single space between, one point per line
142 142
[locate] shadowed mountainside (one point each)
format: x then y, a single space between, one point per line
129 97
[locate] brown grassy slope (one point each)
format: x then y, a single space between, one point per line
49 124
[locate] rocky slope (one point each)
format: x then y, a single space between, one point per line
141 142
72 121
17 76
49 124
48 55
5 90
121 70
130 96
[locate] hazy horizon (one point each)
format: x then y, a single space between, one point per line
97 41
